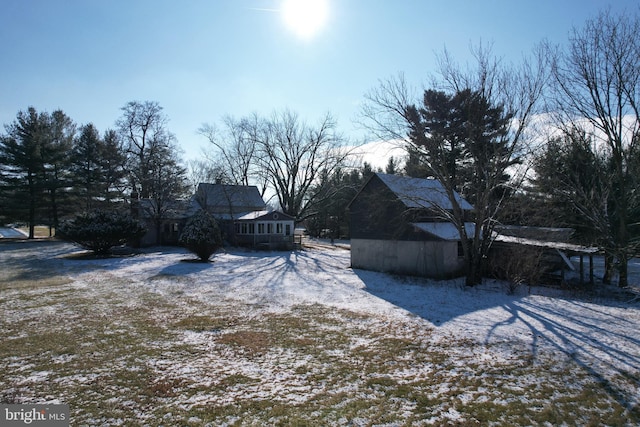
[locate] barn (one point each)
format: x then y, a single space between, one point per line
398 225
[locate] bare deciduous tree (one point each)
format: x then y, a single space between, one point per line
281 154
235 154
597 90
142 126
153 163
294 155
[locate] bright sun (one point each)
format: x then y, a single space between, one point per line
305 17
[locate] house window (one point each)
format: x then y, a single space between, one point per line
269 228
279 228
175 227
260 228
252 228
244 228
237 227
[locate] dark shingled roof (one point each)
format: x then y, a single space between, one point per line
223 198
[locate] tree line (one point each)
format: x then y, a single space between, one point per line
52 169
551 140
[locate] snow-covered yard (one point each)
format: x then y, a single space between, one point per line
301 339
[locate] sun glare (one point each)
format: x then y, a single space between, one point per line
305 17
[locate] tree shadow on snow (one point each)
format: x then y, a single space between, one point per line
596 335
603 343
436 301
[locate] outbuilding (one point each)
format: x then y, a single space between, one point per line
399 225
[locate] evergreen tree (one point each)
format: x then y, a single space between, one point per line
392 167
201 235
99 230
463 141
57 165
97 168
112 162
86 168
167 182
22 158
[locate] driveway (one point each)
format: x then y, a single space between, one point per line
11 233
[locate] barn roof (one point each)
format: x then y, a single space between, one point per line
420 192
444 230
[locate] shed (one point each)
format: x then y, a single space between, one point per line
398 225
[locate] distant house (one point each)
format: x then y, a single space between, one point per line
239 209
398 225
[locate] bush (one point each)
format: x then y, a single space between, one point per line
99 231
518 265
201 235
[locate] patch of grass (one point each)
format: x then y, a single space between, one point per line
254 342
39 231
202 323
19 282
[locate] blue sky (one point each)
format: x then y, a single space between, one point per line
203 59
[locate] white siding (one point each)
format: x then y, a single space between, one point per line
421 258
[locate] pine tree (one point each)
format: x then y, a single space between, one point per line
22 152
97 168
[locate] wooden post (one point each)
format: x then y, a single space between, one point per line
581 269
591 269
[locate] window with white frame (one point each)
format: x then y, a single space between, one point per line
260 228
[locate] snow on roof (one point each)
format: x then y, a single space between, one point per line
569 247
277 215
444 230
253 215
421 193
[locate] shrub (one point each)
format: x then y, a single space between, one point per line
518 265
99 231
201 235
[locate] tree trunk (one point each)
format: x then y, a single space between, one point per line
608 267
54 209
474 269
32 208
623 270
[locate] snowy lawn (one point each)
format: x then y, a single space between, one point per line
301 339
